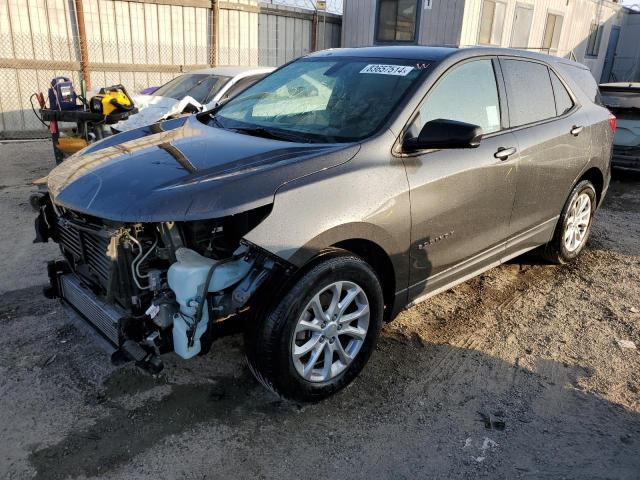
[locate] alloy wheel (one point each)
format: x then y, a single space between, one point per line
330 332
577 225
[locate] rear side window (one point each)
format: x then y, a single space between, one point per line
467 93
529 92
563 99
585 81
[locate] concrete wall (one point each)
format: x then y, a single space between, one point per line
457 22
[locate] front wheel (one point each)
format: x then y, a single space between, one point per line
574 225
321 333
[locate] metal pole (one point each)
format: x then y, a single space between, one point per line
215 18
84 54
324 29
314 31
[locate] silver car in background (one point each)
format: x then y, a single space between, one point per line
623 99
191 92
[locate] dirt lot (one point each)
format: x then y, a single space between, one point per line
515 374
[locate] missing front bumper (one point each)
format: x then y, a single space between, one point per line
102 316
110 321
67 286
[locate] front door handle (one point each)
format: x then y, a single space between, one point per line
575 130
503 152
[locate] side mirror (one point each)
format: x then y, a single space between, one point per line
442 133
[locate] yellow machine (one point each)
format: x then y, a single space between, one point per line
111 101
92 119
71 145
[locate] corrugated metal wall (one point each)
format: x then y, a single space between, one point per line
358 22
439 25
626 66
577 18
40 34
282 38
329 31
238 34
133 43
138 44
285 33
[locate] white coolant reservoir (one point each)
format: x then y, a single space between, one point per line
186 277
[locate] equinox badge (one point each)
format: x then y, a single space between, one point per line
439 238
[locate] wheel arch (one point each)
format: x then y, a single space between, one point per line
595 176
381 263
370 242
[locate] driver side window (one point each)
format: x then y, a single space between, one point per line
467 93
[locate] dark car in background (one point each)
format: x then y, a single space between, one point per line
623 99
323 200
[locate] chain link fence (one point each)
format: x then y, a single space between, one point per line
332 6
138 45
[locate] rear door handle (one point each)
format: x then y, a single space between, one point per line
503 152
575 131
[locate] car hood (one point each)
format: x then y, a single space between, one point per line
184 170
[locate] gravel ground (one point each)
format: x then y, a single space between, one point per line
515 374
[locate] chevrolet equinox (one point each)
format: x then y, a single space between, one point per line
324 199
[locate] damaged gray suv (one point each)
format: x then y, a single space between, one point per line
323 200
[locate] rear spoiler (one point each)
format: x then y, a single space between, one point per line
628 88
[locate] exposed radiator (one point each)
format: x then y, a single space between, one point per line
88 249
101 315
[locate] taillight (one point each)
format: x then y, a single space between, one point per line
612 122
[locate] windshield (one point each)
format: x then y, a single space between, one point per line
201 86
323 99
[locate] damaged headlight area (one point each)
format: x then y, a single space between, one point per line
151 288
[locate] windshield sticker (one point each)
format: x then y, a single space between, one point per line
399 70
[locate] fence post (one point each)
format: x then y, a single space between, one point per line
214 32
82 34
314 31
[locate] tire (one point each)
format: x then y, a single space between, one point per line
559 250
273 352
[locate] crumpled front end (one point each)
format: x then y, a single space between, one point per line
151 288
152 224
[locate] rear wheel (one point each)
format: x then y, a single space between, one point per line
319 336
574 225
